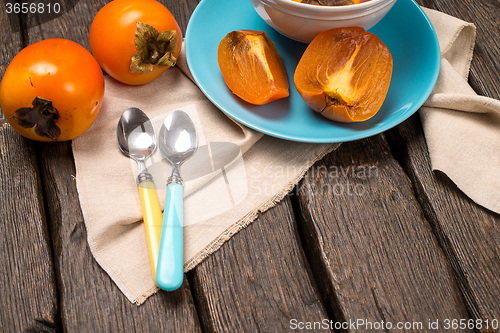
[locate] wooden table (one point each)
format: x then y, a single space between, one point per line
412 250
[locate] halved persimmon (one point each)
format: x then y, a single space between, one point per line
251 67
345 74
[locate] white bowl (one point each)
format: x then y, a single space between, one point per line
302 22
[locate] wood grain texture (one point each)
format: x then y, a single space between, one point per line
468 233
10 40
368 243
258 281
182 11
29 299
485 67
74 23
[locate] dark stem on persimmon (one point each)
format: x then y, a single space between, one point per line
152 53
43 117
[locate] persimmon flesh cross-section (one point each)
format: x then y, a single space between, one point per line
345 74
252 67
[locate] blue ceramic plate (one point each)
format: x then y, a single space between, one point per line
406 30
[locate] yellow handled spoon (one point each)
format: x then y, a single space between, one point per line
137 139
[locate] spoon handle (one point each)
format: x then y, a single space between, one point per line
170 269
152 217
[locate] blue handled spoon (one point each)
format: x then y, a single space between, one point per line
177 142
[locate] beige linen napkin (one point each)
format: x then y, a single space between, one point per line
462 129
236 173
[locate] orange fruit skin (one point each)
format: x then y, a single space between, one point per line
112 36
61 71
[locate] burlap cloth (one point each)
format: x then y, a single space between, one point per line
240 172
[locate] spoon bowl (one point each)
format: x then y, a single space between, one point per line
136 136
178 142
137 139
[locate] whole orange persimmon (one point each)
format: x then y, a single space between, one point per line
52 90
135 41
345 74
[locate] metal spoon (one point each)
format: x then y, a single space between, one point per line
177 142
137 139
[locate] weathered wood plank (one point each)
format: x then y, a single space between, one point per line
467 233
29 296
182 11
369 245
10 39
258 281
90 301
72 23
485 67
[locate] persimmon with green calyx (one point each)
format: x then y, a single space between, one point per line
344 74
52 90
135 41
252 67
